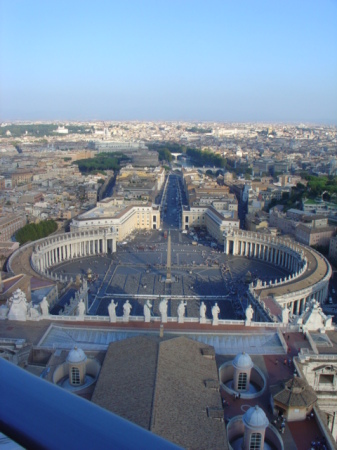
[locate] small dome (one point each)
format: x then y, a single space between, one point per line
255 417
243 361
76 355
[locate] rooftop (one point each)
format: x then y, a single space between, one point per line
165 391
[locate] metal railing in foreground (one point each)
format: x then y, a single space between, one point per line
37 414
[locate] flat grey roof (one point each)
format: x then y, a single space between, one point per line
225 343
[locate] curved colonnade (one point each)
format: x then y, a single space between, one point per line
309 271
56 249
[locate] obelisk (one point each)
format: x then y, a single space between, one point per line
168 264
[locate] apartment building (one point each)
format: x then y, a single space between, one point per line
21 177
9 224
314 236
124 219
211 219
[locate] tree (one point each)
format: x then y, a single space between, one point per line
101 162
34 231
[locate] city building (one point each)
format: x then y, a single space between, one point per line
9 224
123 219
209 218
333 249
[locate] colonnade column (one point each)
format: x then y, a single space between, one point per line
236 247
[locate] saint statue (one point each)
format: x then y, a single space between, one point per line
44 305
163 310
285 315
112 311
249 314
81 308
181 311
126 311
202 310
215 314
147 311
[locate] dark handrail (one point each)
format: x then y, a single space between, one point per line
39 415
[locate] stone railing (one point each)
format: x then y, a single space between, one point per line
291 277
121 319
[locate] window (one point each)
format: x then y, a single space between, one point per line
326 379
242 382
75 376
255 441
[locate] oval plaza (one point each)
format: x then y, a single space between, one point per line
308 271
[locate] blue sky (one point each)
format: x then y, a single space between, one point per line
228 60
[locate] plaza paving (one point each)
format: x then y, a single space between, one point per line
138 269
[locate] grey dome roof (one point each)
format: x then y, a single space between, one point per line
76 355
255 417
243 361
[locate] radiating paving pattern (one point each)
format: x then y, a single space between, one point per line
224 343
138 269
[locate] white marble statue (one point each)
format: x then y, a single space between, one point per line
314 319
147 311
126 311
44 305
112 311
202 311
163 310
18 306
249 314
181 311
285 315
215 314
33 313
80 308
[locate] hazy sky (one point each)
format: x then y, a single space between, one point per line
209 60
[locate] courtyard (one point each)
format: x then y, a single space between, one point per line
137 272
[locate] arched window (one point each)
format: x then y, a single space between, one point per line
75 376
255 441
242 382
